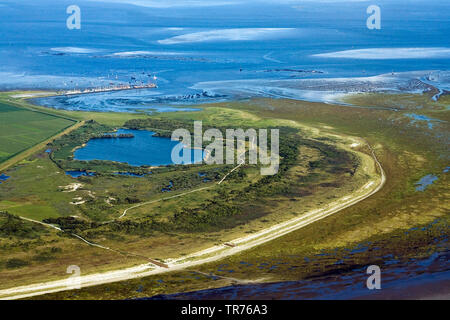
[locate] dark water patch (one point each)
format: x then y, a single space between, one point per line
323 254
168 188
392 261
398 273
131 174
418 117
425 181
359 250
351 285
209 276
3 177
77 173
203 175
245 264
223 268
428 262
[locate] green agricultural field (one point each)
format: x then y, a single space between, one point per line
22 128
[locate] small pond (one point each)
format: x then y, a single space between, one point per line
422 184
143 149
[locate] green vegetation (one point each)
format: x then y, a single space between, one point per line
397 221
245 203
291 262
230 209
317 166
16 263
14 227
64 147
22 128
417 102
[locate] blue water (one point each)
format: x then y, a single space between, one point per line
3 177
420 117
77 173
187 45
168 188
131 174
401 278
423 183
142 150
399 283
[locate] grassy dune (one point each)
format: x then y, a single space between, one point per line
407 149
398 221
160 230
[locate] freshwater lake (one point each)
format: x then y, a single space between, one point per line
144 149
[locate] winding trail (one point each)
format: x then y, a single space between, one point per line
209 255
181 194
42 223
162 199
92 244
